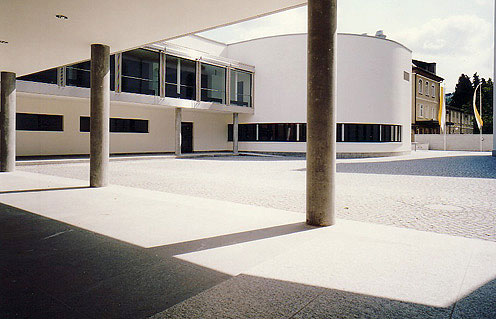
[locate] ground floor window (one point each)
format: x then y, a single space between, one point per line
39 122
297 132
118 125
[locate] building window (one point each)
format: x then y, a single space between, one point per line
117 125
303 132
213 84
420 86
48 76
79 74
390 133
361 133
140 72
287 132
421 110
241 83
406 76
180 78
426 88
273 132
39 122
433 91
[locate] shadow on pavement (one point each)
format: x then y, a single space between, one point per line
43 190
453 166
49 269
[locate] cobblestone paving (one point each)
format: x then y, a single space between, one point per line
452 193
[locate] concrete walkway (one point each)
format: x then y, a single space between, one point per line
120 252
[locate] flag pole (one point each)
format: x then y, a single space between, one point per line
478 116
480 129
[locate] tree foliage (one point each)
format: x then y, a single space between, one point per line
463 98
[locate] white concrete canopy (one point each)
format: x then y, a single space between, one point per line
38 40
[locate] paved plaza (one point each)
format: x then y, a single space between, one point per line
447 192
224 237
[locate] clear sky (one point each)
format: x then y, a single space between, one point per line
456 34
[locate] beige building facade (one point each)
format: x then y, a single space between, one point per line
425 98
459 122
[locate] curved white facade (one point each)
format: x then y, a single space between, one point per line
372 87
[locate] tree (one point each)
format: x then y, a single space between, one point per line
487 107
476 81
463 99
463 94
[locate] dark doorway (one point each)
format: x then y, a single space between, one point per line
186 137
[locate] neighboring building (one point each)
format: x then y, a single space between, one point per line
201 84
425 98
458 121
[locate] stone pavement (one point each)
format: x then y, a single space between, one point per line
445 192
129 252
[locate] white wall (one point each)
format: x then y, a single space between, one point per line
209 129
456 142
371 88
280 77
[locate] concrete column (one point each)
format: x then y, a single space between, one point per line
321 112
179 119
7 121
100 114
235 134
494 88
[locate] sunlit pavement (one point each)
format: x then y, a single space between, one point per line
129 252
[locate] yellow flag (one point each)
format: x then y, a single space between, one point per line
478 118
442 109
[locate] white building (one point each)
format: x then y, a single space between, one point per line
202 83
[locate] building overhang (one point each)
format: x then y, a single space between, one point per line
38 40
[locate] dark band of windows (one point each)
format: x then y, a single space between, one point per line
117 125
39 122
296 132
140 74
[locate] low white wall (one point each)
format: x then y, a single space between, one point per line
456 142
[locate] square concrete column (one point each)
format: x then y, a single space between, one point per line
100 115
235 133
321 112
179 118
7 121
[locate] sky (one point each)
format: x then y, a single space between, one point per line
456 34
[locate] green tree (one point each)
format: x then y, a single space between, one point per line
487 107
476 80
462 97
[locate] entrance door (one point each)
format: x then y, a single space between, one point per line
186 137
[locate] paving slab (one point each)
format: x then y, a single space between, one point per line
281 267
371 271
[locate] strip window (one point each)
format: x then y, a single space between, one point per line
117 125
288 132
39 122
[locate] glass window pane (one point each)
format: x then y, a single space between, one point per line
183 72
39 122
48 76
140 72
241 83
118 125
213 84
303 132
78 74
